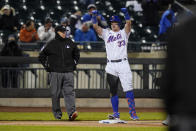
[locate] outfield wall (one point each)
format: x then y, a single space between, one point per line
80 102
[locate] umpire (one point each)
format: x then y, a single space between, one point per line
60 57
178 85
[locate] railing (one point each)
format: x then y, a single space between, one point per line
188 11
89 82
99 46
84 78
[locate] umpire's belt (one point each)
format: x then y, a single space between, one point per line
119 60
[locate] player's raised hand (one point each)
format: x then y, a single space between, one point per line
126 13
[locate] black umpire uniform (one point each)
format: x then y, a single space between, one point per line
60 57
178 87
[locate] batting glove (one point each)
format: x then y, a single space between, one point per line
94 17
124 10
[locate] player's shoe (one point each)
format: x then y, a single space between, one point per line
166 122
114 116
58 115
73 116
134 117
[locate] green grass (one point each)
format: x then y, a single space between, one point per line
63 128
48 116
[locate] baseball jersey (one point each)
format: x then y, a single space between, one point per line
116 43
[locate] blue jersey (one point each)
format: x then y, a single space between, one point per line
85 36
165 23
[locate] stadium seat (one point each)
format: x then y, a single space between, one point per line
22 14
56 9
49 3
32 4
40 15
56 14
15 3
2 3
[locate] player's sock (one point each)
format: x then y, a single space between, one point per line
131 103
115 101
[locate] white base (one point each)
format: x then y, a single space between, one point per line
116 121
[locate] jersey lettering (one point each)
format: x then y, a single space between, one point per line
112 38
121 43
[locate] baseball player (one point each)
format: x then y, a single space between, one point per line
117 67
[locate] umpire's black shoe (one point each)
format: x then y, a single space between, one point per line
58 115
73 116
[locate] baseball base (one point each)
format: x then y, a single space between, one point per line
117 121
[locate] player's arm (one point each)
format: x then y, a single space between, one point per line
128 20
97 28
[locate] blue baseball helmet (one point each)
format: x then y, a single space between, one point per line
115 18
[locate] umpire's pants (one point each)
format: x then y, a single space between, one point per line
62 82
182 123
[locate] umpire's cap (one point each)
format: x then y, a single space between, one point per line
60 28
115 18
